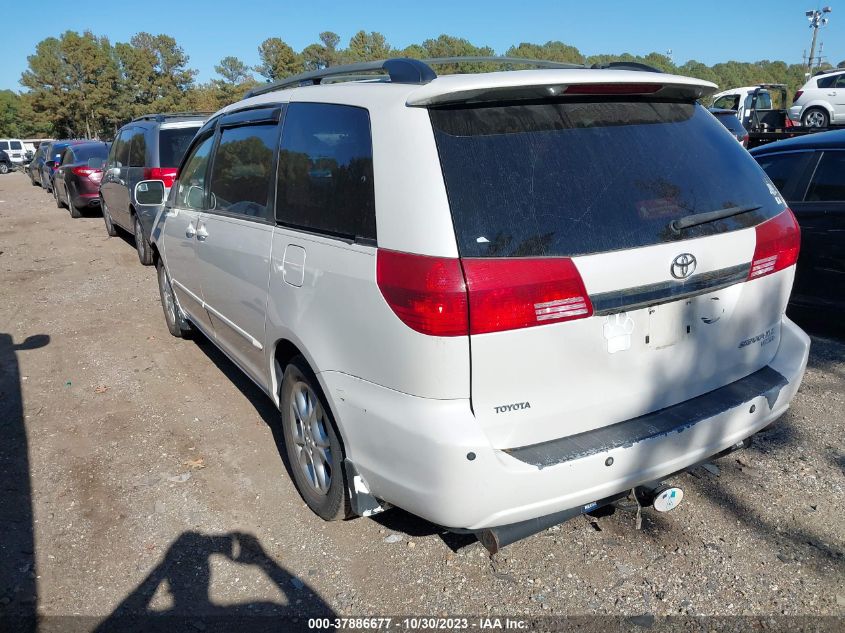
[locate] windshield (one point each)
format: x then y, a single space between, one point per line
575 178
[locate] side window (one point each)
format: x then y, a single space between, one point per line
137 148
121 155
840 81
764 101
16 145
4 145
826 82
190 192
784 169
242 170
67 157
326 170
728 102
828 183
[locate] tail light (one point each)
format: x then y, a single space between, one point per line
797 96
510 294
745 141
452 297
85 172
166 174
778 243
427 293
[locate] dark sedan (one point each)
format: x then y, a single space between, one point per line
76 183
51 162
810 173
33 170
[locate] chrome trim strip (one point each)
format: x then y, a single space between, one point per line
605 303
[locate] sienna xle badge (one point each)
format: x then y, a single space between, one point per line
495 300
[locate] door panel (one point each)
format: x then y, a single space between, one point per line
234 266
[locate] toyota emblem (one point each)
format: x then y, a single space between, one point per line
683 266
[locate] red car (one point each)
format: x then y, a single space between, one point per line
76 184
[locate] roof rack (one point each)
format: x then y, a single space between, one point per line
828 71
161 116
407 70
626 66
400 70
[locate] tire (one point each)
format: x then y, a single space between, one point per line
177 324
75 212
4 168
59 203
142 244
314 451
111 229
816 117
34 182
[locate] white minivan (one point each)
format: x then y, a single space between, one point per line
14 148
495 300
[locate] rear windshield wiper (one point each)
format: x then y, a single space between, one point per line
711 216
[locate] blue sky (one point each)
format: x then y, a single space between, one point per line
707 31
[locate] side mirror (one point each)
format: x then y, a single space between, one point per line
195 197
150 192
50 163
114 171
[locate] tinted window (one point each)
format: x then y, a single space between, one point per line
242 171
17 145
826 82
326 170
192 177
67 157
84 153
575 178
172 145
121 154
4 145
840 81
828 183
784 169
138 149
57 151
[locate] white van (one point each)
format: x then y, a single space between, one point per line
14 148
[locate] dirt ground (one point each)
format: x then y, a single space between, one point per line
143 474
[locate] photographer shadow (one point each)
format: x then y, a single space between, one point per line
185 574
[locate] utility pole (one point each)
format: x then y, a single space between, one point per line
817 20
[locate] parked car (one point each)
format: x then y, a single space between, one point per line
14 148
821 101
731 122
33 170
149 147
52 158
810 173
6 164
533 300
76 184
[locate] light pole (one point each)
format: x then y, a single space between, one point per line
817 20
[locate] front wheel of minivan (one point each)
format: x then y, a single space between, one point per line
313 449
177 324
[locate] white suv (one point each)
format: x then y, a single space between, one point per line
14 147
494 300
821 101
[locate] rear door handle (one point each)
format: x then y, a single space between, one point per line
202 232
190 231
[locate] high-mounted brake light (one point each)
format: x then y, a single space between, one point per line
510 294
431 296
613 89
778 243
427 293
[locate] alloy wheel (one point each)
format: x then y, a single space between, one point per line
308 426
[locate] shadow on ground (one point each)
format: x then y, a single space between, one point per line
18 589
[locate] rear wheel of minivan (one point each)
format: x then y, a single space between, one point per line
111 229
313 449
177 324
142 245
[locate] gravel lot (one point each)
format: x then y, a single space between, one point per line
141 473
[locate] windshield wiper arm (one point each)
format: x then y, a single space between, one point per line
711 216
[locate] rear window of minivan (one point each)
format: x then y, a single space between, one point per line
574 178
173 143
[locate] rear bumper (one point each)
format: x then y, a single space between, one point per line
795 112
86 200
431 458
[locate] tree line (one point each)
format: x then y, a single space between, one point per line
82 85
